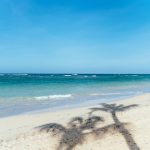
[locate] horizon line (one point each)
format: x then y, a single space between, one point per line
73 73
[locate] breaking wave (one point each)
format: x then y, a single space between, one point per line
67 75
104 94
53 97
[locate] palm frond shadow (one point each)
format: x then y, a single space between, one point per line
120 126
79 128
75 131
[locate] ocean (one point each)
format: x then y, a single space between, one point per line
25 93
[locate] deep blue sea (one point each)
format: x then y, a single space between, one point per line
22 93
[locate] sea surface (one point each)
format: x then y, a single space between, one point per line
24 93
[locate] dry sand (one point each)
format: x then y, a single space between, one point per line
129 128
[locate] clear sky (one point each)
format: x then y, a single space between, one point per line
75 36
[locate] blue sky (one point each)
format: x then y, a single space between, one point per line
69 36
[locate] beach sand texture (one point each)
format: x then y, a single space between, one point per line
120 125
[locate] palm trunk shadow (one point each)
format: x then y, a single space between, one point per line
125 133
112 109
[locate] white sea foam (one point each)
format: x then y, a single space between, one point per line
53 97
20 74
67 75
85 76
104 94
132 75
135 75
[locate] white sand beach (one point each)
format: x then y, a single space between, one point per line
120 125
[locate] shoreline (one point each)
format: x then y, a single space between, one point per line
19 129
72 106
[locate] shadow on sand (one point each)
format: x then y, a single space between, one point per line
78 128
73 134
113 109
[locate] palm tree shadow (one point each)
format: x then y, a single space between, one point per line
113 109
73 134
75 131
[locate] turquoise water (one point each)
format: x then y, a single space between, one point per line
20 93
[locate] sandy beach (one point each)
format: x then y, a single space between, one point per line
74 75
123 124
